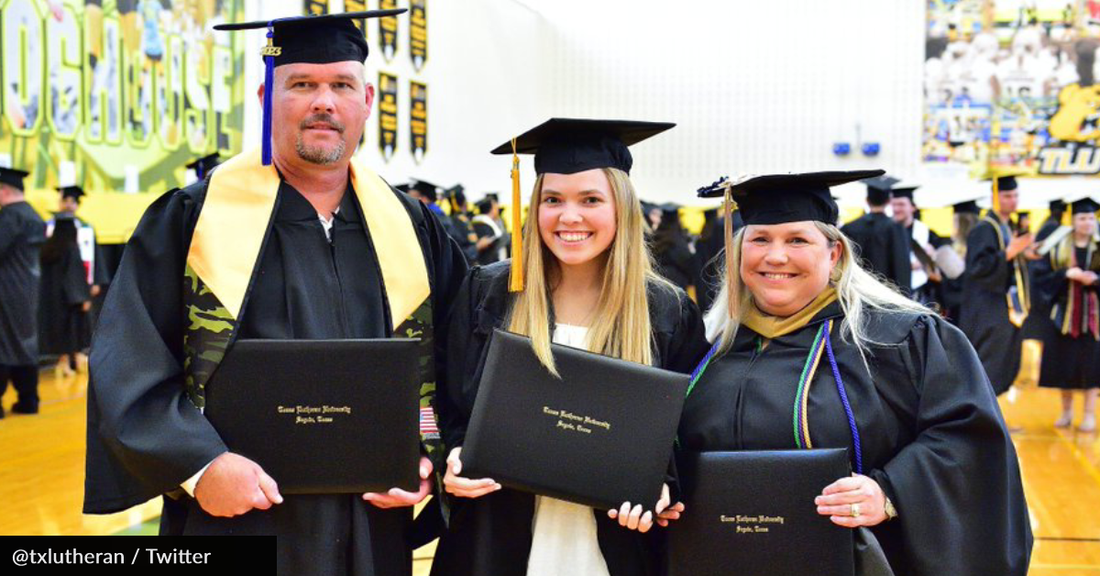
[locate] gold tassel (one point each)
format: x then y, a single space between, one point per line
730 206
1067 216
515 280
996 197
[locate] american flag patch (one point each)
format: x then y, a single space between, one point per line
428 428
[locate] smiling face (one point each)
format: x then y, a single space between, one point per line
576 216
320 111
1084 224
786 266
902 208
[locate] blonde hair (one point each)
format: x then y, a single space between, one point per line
621 325
857 291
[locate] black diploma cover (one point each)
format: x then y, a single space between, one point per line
753 513
600 436
322 416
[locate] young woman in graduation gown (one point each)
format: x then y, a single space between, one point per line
1067 279
810 351
589 282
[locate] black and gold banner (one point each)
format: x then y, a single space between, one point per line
357 6
387 28
418 120
387 114
418 32
316 7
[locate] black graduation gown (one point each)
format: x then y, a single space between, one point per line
932 435
22 233
491 535
883 248
1068 362
145 437
493 252
675 261
930 294
1038 326
984 314
63 325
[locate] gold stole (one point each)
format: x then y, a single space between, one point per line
237 212
773 326
1019 304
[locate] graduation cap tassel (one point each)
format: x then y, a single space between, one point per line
996 197
730 206
515 281
269 54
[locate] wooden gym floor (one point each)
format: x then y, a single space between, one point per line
42 475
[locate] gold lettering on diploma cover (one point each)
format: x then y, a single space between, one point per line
571 422
751 524
307 415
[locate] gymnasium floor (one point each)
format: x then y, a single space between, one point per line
42 466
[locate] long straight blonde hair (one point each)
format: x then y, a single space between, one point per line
620 325
857 291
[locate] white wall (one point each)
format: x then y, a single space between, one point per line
755 87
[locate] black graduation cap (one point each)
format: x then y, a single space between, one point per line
1057 205
967 207
314 39
13 177
878 189
74 192
571 145
426 189
781 198
203 166
670 208
1084 206
402 187
904 192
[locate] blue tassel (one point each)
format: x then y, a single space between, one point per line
269 81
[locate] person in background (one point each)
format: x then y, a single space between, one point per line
493 238
22 233
672 249
881 244
1068 277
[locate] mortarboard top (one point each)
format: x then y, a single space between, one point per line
425 188
1084 206
966 207
1057 205
203 166
905 191
74 192
321 39
879 189
1004 177
13 177
782 198
492 196
571 145
402 187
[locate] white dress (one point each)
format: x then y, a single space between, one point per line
564 534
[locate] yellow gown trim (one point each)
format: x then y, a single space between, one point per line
237 212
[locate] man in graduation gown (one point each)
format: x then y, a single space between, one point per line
493 239
883 244
315 246
925 280
22 233
996 287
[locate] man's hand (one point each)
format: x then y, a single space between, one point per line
1017 245
234 485
396 497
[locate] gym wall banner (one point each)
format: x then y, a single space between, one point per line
418 33
418 120
117 96
357 6
316 7
1012 84
387 31
387 115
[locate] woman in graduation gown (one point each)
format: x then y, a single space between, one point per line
810 351
65 297
589 282
1067 279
